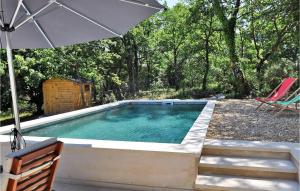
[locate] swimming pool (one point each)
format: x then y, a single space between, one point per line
162 123
133 144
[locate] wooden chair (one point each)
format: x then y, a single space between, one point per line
293 99
33 168
278 93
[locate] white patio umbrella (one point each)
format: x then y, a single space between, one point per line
54 23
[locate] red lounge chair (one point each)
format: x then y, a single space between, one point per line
33 168
278 93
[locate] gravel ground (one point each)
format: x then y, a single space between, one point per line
238 120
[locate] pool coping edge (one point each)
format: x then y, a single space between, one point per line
191 144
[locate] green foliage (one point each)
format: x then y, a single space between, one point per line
185 52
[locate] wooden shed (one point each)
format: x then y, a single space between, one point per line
63 95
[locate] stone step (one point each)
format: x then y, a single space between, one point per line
246 149
243 166
236 183
245 152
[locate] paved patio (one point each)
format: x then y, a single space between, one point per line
73 187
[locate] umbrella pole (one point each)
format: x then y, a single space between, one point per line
12 81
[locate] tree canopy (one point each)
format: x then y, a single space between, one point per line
237 47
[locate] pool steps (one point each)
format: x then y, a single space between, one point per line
256 166
236 183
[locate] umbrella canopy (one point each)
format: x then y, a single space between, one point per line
54 23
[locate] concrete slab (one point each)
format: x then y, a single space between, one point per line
73 187
231 183
273 165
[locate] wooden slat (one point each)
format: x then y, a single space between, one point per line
35 178
38 162
16 166
43 187
12 185
54 166
32 175
44 151
35 185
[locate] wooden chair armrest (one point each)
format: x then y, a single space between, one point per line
31 171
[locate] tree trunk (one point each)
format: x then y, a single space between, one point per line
259 76
240 85
131 82
148 80
176 71
39 109
207 64
239 82
129 60
136 67
94 90
36 97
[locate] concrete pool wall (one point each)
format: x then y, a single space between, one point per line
132 165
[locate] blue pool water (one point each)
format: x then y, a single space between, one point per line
142 123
